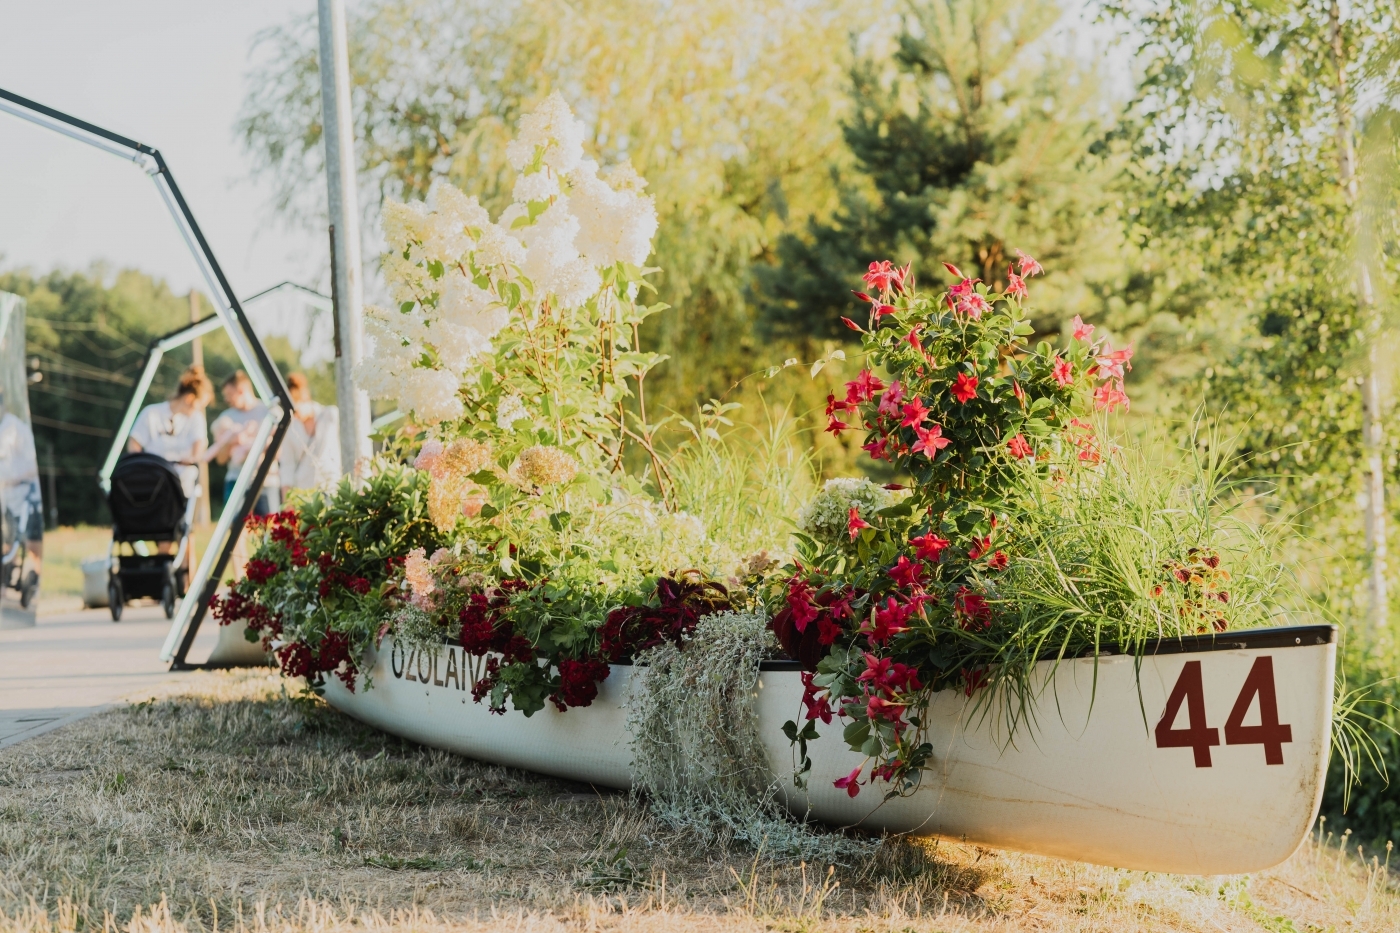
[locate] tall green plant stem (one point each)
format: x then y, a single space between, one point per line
1372 428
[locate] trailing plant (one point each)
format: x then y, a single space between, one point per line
696 749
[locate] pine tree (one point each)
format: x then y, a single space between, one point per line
973 139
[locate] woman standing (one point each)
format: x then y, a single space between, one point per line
176 429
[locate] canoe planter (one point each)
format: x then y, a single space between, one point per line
1204 756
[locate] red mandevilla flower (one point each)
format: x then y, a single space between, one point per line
850 783
817 707
930 441
906 573
999 561
914 414
1082 331
965 387
889 621
1029 266
1062 372
974 306
1015 285
1018 447
1109 396
1112 365
854 523
880 275
891 400
972 609
929 546
863 387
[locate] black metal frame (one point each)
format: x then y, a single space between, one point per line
163 176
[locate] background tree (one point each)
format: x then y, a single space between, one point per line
730 109
1263 198
976 137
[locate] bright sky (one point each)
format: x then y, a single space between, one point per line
168 73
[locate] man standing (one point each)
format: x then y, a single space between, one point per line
234 431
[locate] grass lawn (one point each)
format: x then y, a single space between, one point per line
230 804
65 549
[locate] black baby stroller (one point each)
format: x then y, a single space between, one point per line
148 504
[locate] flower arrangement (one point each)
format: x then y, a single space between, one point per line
547 533
542 527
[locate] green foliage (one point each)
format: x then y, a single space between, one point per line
1362 793
974 138
320 577
1249 243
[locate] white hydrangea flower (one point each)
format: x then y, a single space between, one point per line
551 125
575 282
827 515
431 394
550 251
465 304
540 186
406 281
510 410
498 248
614 224
452 204
404 223
457 346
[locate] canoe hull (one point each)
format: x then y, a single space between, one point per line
1094 778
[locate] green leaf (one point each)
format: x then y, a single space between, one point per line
489 511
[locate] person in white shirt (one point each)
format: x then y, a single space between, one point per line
234 431
176 429
310 454
19 488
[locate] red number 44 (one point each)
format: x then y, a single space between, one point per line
1199 737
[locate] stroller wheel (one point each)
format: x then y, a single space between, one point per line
115 598
29 590
167 598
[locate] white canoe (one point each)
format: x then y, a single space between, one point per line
1229 783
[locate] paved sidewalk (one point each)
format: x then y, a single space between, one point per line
73 664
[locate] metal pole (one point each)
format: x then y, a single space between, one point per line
343 203
201 512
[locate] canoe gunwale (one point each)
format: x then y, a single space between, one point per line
1291 636
1285 636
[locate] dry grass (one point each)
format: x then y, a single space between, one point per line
232 805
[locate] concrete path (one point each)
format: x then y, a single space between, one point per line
73 664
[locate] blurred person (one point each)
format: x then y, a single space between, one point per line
234 431
310 454
176 428
19 492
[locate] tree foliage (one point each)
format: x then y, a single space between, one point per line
729 108
977 136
